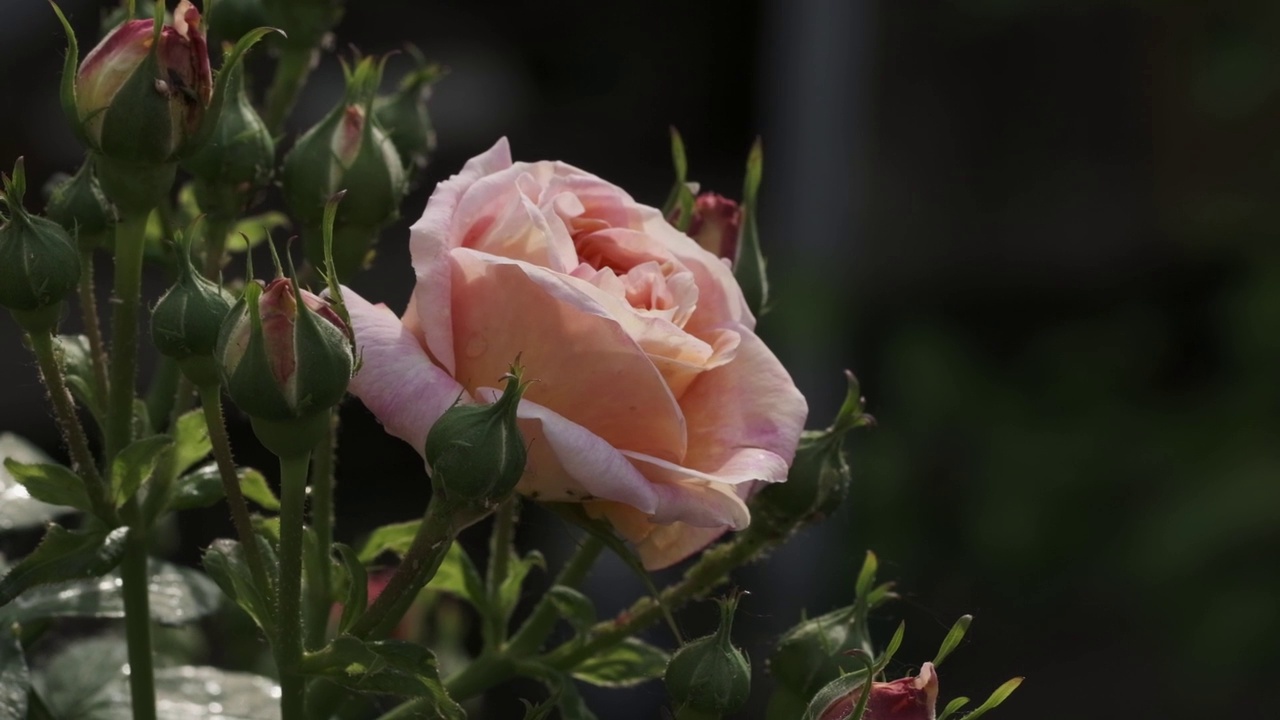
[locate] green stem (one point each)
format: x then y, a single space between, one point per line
542 620
430 545
291 75
288 646
130 239
163 392
215 244
322 521
504 524
72 432
92 326
136 579
211 403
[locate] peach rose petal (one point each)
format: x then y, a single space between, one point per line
397 381
582 363
658 546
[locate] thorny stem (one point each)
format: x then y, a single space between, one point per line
322 481
92 326
289 625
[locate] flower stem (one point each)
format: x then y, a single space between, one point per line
135 579
130 238
211 403
72 431
289 625
542 620
215 244
92 326
291 75
322 521
430 544
504 522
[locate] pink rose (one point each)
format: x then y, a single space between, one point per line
910 698
653 402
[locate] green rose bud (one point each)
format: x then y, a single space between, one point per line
347 150
39 263
819 478
709 675
476 452
284 353
238 160
78 205
403 114
186 322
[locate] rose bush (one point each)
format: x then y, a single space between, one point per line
653 402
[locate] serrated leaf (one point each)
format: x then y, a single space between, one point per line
393 538
191 442
134 464
573 606
53 484
15 681
64 555
628 663
509 592
953 638
224 561
357 596
386 666
18 510
1000 694
202 487
178 595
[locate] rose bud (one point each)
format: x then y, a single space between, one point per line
186 322
347 150
39 263
139 99
403 114
709 675
910 698
476 452
285 356
78 205
237 162
715 224
819 479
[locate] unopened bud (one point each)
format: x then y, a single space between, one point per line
236 163
909 698
39 263
403 115
476 452
715 225
78 205
710 675
186 322
233 19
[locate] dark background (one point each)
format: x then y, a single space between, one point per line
1043 234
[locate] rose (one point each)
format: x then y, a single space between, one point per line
652 401
909 698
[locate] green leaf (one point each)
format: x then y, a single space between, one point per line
178 595
459 577
681 196
202 487
64 555
563 692
387 666
15 681
953 638
840 687
394 538
134 464
895 642
191 442
252 231
749 266
1001 694
573 606
509 591
87 681
866 575
357 598
953 707
225 563
18 510
67 87
77 361
629 663
50 483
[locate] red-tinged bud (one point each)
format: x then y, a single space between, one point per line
285 355
715 225
140 100
910 698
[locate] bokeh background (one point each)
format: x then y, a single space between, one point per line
1043 234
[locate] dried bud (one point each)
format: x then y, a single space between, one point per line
347 150
910 698
186 322
39 263
403 115
140 99
284 353
476 452
78 205
710 675
715 225
237 162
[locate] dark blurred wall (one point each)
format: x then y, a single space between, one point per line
1042 234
